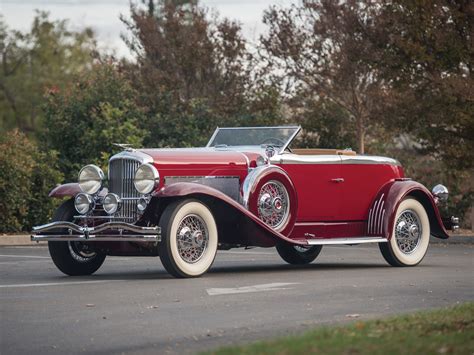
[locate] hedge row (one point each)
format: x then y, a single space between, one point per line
27 174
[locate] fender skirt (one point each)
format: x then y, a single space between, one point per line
236 225
381 216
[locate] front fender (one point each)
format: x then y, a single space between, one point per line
65 190
71 190
236 224
381 217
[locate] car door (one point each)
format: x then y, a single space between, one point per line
363 177
318 184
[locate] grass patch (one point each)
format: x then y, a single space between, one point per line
444 331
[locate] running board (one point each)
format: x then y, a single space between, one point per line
336 241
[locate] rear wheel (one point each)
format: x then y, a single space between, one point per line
189 238
73 258
410 235
298 255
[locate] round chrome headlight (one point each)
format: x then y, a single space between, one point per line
90 179
142 204
146 178
111 203
83 203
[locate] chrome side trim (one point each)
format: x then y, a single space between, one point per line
371 212
339 241
290 158
368 159
110 231
376 216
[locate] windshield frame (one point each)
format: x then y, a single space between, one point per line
283 147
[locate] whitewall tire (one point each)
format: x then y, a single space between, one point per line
189 238
410 235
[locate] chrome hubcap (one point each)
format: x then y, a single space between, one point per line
80 251
301 249
273 204
192 238
408 231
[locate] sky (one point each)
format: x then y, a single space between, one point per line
103 16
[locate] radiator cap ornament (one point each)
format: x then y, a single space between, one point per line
125 146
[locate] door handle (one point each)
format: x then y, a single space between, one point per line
337 180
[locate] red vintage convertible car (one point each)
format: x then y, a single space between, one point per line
247 187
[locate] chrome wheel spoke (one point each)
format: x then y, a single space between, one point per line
192 238
80 251
408 231
273 203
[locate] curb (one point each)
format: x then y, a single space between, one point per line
24 239
20 239
454 239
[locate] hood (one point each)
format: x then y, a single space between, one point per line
198 162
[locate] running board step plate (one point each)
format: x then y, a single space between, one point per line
336 241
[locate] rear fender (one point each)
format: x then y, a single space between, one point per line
235 223
381 217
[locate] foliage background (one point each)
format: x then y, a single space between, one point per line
387 78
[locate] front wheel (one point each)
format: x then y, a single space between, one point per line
73 258
410 235
189 238
298 255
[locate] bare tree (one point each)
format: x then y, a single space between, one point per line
320 48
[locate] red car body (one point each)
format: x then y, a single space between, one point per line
331 196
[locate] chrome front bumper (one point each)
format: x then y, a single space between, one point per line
107 232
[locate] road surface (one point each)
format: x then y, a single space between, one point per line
131 305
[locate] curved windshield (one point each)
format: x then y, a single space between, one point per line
245 136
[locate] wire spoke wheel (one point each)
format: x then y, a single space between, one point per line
71 257
273 204
189 238
81 251
410 235
408 231
192 238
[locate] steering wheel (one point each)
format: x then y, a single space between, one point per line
268 140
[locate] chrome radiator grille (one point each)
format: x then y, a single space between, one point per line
121 174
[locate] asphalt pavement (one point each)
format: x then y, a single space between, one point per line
131 305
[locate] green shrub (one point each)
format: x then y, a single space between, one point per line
26 176
83 121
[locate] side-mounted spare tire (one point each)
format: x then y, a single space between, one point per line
270 194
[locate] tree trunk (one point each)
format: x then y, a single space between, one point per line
360 135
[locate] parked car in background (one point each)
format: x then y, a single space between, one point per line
247 187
